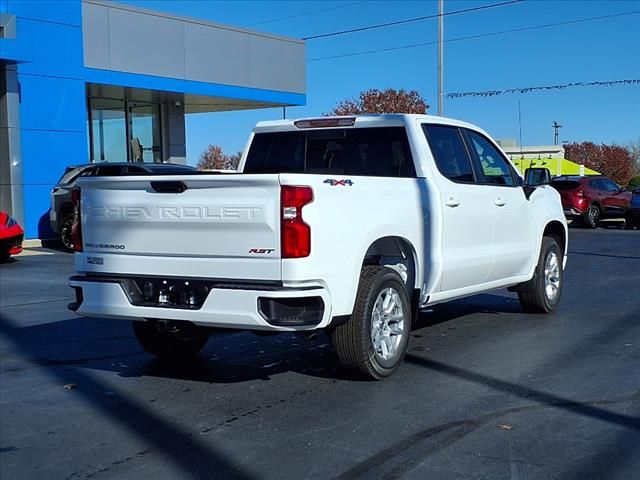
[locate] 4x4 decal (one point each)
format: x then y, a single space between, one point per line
334 183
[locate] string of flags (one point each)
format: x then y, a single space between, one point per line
493 93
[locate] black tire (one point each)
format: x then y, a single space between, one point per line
174 341
592 217
4 257
538 295
65 233
354 341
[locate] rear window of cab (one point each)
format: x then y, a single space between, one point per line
377 152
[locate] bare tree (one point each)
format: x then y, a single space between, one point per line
634 150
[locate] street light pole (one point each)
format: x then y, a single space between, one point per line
556 127
440 57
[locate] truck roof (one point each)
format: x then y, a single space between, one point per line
369 120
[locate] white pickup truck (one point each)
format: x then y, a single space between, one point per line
345 224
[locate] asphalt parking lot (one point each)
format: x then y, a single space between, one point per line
486 391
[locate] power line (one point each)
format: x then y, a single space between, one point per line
493 93
471 37
409 20
313 12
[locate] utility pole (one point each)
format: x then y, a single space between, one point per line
556 127
440 56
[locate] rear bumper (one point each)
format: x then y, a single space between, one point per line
572 212
280 309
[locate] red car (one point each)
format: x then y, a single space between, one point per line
11 235
591 198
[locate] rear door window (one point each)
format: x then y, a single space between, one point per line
449 152
377 152
608 185
565 184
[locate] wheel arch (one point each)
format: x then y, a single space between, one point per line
556 230
399 254
65 209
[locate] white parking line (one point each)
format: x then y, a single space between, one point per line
27 252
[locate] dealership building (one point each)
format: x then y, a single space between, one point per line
92 81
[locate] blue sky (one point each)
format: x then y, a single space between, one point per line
598 50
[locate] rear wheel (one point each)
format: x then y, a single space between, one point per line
592 217
542 293
169 339
65 232
375 338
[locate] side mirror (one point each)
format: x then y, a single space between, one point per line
534 177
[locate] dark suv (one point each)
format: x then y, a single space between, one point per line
591 198
61 213
633 214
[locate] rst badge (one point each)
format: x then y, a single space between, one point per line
262 251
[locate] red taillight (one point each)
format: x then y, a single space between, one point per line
579 194
295 234
76 230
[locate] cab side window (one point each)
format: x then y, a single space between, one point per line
449 152
494 166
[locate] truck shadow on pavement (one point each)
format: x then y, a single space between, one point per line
229 357
107 345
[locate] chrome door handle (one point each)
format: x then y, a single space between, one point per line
499 202
452 202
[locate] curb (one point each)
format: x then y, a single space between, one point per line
32 243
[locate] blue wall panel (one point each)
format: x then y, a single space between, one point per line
56 11
14 50
56 50
48 153
51 103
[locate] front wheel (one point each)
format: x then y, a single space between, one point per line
542 293
376 336
170 340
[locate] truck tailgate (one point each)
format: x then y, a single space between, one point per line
226 226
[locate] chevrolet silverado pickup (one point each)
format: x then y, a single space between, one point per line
345 224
